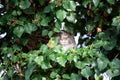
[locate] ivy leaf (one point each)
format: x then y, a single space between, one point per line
102 63
71 18
62 60
96 2
74 77
45 21
115 64
61 14
109 45
69 5
45 64
25 4
41 2
66 76
29 70
29 28
44 32
80 65
111 1
18 31
50 34
39 60
86 72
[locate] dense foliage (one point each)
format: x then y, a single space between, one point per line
30 24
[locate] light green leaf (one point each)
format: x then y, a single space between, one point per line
39 60
71 18
61 60
61 14
66 76
53 74
29 70
70 57
80 65
96 2
25 4
45 64
18 31
86 72
52 57
69 5
50 34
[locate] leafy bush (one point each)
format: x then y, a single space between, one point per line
30 24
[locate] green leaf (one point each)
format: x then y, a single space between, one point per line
115 64
61 14
113 73
53 74
44 32
29 28
45 21
45 64
41 2
74 77
49 8
25 4
109 45
85 2
52 57
86 72
70 57
111 1
66 76
29 10
102 63
69 5
14 13
39 60
96 2
18 31
61 59
43 48
71 18
29 70
50 34
80 65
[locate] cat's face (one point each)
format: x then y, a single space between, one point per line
67 40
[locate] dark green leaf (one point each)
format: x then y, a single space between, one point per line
44 32
111 1
29 28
